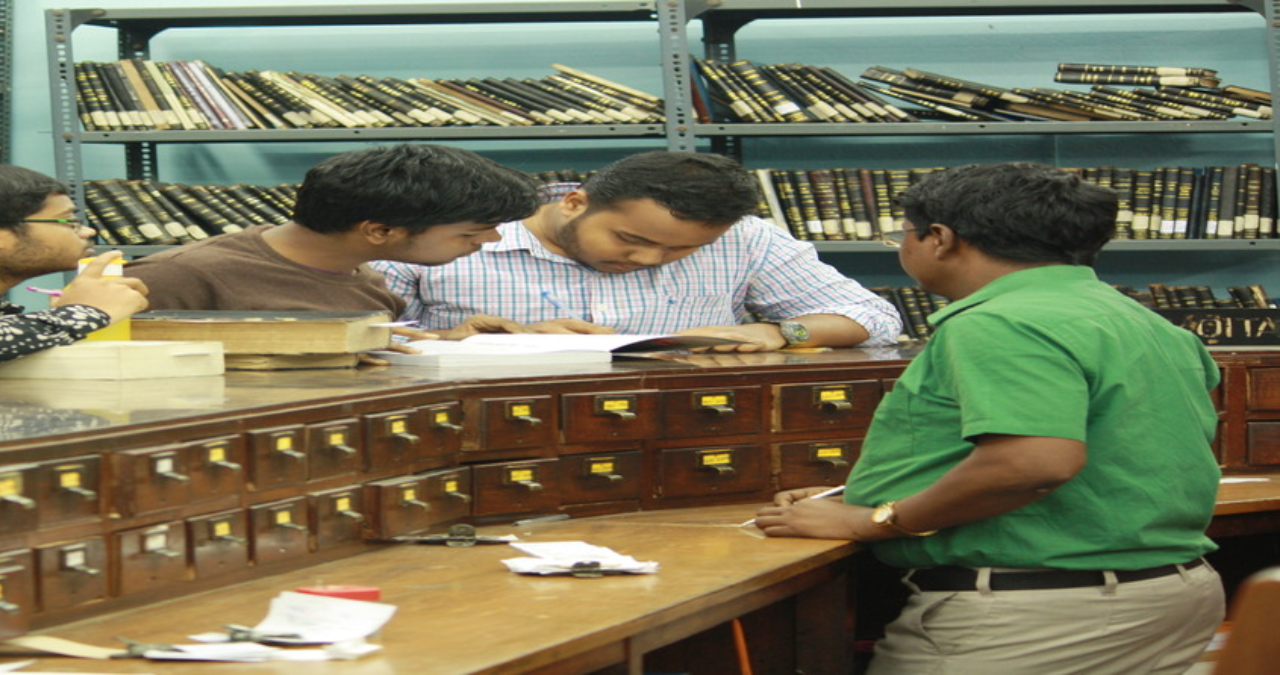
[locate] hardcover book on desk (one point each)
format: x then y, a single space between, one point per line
268 340
118 360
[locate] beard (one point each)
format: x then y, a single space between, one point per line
33 258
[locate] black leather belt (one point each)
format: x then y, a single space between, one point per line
948 578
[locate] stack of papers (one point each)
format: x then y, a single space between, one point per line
569 557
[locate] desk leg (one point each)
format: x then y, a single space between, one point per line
824 628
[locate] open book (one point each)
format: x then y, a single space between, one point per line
527 348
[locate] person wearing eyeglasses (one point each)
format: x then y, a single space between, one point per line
40 234
1042 472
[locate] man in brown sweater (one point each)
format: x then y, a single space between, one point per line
423 204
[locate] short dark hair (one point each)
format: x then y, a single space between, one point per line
414 186
23 192
1017 211
693 186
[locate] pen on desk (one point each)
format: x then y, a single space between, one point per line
44 291
825 493
551 300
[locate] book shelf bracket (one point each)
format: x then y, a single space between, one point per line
676 77
6 75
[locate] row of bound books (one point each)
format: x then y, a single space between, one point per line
1219 202
915 304
134 94
743 91
137 212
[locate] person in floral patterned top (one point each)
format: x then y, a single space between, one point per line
40 234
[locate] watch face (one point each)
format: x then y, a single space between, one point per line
793 331
881 515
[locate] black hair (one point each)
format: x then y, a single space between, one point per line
413 186
1017 211
23 192
693 186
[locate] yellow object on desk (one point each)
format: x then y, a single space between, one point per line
120 330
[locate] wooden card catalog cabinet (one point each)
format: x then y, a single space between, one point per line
17 593
217 468
279 530
1263 437
410 504
219 543
443 438
70 490
516 487
610 416
596 478
817 463
715 411
337 516
72 574
825 405
514 423
151 479
449 491
333 448
708 471
394 439
278 457
151 557
19 511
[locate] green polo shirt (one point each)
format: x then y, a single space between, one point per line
1052 351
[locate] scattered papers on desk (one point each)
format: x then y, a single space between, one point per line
561 557
526 348
304 619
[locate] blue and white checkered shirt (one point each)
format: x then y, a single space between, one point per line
756 268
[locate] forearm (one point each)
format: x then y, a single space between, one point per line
29 333
832 330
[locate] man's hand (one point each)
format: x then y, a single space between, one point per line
789 497
569 326
482 323
119 297
819 519
755 337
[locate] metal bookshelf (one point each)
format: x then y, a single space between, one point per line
136 27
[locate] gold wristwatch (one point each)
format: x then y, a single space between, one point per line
886 515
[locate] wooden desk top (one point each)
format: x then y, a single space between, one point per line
1260 493
460 610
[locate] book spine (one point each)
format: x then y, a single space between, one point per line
1122 183
770 206
1252 209
785 186
857 204
149 108
88 103
1267 204
1136 70
1142 186
136 214
808 206
170 231
107 213
828 206
1227 209
1213 202
193 113
1142 80
208 219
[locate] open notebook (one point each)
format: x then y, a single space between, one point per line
529 348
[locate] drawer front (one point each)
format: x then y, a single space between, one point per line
152 479
1263 448
17 593
825 405
817 463
337 516
714 470
516 487
151 557
1264 389
609 416
394 438
279 530
219 543
443 438
398 506
19 499
278 457
217 467
70 490
714 411
450 493
334 448
610 477
508 423
72 574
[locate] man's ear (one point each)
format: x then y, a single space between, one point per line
379 234
573 204
944 240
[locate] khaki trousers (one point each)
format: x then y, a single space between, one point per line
1157 626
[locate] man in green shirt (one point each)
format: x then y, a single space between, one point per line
1042 469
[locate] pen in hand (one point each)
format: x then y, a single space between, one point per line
45 291
551 300
825 493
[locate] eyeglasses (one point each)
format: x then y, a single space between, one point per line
893 238
73 224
